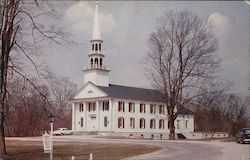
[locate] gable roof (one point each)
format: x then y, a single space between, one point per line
89 90
133 93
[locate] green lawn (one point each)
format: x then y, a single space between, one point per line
28 150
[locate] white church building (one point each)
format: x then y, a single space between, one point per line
117 110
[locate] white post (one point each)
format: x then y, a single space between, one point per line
73 116
90 156
51 140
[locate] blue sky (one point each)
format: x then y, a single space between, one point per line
126 26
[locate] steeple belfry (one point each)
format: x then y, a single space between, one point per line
96 72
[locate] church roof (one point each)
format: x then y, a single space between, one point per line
133 93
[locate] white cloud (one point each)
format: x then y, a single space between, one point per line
221 24
79 19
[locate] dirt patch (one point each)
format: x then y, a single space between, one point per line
23 150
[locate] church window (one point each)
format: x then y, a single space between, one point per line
100 61
93 46
120 122
142 123
96 60
161 124
132 123
91 106
81 107
131 107
152 123
121 106
96 47
152 109
100 47
142 108
161 109
105 106
91 61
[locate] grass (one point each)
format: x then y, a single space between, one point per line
33 150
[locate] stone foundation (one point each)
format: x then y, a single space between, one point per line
136 135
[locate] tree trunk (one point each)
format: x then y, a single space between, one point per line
171 128
2 137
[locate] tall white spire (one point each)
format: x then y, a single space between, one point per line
97 72
96 30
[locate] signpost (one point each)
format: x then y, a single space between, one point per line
48 139
47 147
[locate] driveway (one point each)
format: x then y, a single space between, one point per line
172 150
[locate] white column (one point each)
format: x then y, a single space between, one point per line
110 119
73 116
112 107
98 115
85 116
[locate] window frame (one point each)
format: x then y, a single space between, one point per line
92 106
142 108
105 106
142 123
121 122
131 107
121 106
161 124
132 122
152 123
152 109
161 109
81 107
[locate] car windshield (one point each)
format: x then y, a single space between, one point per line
246 131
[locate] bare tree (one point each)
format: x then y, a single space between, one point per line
212 100
26 108
238 112
26 105
62 91
182 57
20 32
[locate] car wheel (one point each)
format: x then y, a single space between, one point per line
61 134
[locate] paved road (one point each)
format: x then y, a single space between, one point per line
173 150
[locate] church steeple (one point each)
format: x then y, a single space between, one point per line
96 30
96 72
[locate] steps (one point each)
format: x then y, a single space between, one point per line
181 136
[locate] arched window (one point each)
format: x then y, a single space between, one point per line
100 61
132 123
120 122
93 46
161 124
152 123
142 123
96 47
96 60
100 47
91 61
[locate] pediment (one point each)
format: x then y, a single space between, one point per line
90 91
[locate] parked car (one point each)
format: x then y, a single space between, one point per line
62 131
243 136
